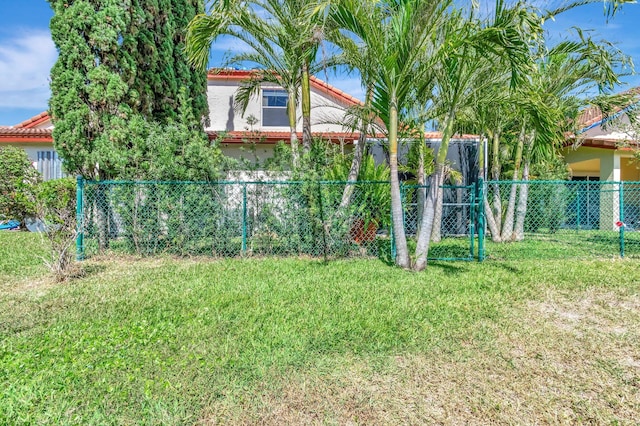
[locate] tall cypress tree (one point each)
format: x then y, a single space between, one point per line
121 66
88 81
155 42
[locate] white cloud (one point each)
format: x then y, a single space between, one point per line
25 64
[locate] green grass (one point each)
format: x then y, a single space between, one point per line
21 255
566 244
169 341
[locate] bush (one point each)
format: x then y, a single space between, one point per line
56 207
17 180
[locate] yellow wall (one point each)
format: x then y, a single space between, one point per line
629 170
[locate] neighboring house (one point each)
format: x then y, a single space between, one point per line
34 136
603 152
603 149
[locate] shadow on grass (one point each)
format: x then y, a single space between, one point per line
86 270
449 268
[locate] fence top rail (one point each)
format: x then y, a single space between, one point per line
559 182
414 186
278 182
230 182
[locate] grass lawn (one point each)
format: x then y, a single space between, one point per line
295 341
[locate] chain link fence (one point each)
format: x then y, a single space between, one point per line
532 219
229 219
562 219
455 224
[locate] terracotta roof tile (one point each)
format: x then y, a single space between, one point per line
593 115
20 134
274 137
33 121
225 74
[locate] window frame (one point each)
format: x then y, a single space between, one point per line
274 92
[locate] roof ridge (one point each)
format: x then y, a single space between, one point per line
33 121
323 86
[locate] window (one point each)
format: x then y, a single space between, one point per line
49 165
274 108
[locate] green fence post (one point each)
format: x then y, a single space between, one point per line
621 209
79 218
472 218
578 221
481 219
244 219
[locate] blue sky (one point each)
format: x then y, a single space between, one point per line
27 52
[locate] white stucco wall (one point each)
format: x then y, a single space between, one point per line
325 111
32 149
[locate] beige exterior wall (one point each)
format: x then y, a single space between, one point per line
325 112
607 165
585 161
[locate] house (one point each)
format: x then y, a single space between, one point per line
265 121
34 136
263 124
603 151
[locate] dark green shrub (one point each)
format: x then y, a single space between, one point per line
17 180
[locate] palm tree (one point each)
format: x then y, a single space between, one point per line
474 49
545 107
283 36
563 74
537 111
415 45
357 58
398 38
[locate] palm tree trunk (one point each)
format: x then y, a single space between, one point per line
356 162
354 170
491 221
488 213
507 226
496 212
306 108
426 227
436 231
400 238
293 136
422 191
518 234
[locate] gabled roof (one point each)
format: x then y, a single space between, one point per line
229 74
32 122
593 117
